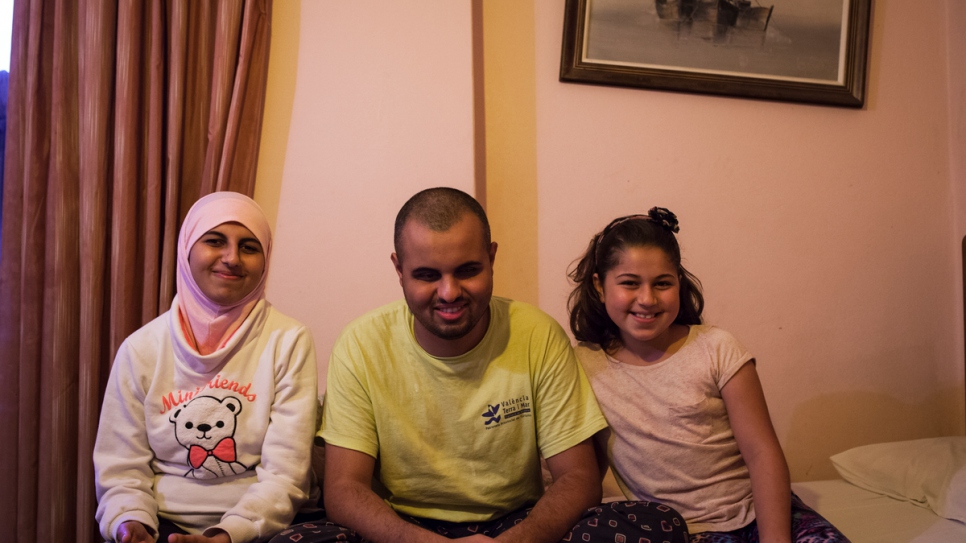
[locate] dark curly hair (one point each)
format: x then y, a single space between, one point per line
588 316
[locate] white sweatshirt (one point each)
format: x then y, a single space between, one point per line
217 441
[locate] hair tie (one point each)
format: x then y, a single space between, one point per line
664 217
661 216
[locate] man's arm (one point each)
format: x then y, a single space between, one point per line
600 450
576 487
350 501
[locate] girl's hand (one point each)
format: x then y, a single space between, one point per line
133 531
220 537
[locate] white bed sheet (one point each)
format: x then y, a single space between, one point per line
867 517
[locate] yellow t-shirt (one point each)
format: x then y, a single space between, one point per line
458 439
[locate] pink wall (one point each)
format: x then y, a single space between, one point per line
382 107
823 235
827 238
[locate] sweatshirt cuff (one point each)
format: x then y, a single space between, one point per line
239 529
143 517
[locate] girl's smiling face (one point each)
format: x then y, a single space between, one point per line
642 295
227 263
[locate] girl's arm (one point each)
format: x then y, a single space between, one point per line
770 484
122 455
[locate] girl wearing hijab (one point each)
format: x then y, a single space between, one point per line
209 412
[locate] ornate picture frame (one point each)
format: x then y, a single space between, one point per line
812 52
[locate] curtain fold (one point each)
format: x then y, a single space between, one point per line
96 67
121 114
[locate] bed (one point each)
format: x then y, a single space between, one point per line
867 517
902 492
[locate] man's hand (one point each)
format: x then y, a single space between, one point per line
133 531
576 486
220 537
350 501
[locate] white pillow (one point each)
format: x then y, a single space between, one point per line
927 472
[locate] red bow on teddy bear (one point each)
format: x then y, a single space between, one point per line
224 451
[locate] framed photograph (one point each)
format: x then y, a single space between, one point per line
810 51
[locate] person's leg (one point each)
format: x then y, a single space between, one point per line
718 537
301 518
315 525
324 531
631 522
810 527
748 534
455 530
166 528
496 527
317 532
807 527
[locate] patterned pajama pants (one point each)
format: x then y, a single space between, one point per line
807 527
617 522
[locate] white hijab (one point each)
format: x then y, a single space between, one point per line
211 324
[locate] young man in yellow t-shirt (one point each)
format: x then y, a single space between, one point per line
447 399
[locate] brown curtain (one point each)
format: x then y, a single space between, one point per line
121 114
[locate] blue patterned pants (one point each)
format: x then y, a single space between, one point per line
807 527
617 522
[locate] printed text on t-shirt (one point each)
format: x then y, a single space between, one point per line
173 399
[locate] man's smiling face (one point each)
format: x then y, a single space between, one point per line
447 280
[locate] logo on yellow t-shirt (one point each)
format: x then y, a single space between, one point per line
492 414
511 409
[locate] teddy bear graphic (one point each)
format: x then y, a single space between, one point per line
206 427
